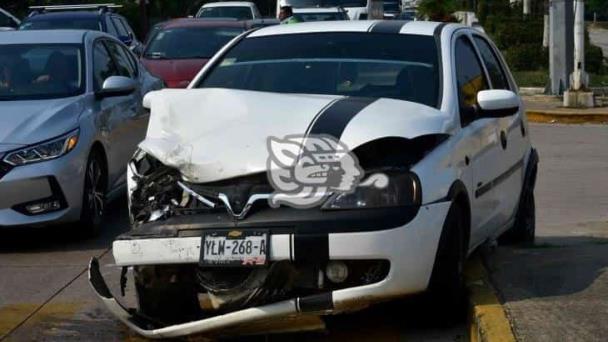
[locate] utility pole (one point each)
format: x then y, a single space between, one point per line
560 45
578 95
527 4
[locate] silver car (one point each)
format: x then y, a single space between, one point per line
70 119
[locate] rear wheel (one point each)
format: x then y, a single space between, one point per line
524 228
94 195
446 286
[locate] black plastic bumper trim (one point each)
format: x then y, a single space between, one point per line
311 248
315 303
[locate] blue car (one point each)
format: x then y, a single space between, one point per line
83 17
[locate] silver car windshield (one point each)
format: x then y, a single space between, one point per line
41 71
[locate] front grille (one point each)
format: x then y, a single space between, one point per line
4 169
238 190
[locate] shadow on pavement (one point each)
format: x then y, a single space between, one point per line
66 237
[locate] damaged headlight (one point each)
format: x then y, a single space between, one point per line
403 189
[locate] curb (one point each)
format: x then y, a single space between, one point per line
487 320
566 118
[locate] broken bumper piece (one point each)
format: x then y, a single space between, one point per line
150 329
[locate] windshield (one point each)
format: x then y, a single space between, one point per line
65 23
240 13
40 71
320 16
391 7
327 3
192 42
352 64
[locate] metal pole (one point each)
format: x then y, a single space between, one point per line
578 75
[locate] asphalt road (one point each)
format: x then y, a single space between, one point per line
44 294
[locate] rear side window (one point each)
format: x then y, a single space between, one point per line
122 31
495 71
110 27
470 78
103 65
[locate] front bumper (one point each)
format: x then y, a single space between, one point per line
61 178
410 249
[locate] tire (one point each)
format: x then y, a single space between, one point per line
93 196
446 286
524 228
166 295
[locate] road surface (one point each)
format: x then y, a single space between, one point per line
44 294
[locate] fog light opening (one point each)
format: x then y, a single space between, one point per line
43 207
336 271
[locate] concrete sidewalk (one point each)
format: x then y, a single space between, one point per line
549 109
557 290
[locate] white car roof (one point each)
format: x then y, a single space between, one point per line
426 28
229 4
43 37
318 10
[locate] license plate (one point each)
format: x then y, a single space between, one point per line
234 248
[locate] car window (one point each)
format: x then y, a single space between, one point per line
497 74
469 76
125 68
103 65
110 27
403 66
6 21
189 42
41 71
240 13
63 24
126 26
122 31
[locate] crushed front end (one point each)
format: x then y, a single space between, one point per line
208 256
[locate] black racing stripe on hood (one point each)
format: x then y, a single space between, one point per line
388 26
333 119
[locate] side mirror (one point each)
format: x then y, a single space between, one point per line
116 86
497 103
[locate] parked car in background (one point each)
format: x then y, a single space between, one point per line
240 10
407 14
83 17
355 9
243 196
320 14
8 21
178 49
391 9
71 113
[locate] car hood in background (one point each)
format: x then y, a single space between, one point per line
31 121
176 73
215 134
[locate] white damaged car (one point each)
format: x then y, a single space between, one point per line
319 168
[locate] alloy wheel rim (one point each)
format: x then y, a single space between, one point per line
95 194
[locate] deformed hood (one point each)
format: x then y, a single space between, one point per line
215 134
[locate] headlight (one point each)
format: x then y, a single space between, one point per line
50 149
403 189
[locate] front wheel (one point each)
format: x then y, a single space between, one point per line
447 283
94 195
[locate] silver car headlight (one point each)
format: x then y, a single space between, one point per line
403 189
47 150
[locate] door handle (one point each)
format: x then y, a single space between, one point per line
503 140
